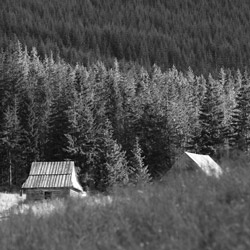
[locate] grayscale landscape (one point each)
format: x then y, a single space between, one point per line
124 124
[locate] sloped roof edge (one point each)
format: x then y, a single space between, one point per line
75 181
206 163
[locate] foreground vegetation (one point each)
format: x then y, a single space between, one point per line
8 201
182 211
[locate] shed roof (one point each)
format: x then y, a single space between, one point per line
52 175
204 162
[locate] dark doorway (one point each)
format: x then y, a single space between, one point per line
47 195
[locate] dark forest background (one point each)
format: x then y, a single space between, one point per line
123 88
203 35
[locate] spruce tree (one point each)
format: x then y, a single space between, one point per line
139 171
10 144
239 137
30 134
210 120
115 160
83 138
58 128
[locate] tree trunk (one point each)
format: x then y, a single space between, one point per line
10 171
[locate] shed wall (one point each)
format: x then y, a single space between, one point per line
39 194
185 163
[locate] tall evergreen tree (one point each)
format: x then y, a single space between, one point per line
58 128
10 143
83 136
139 171
240 124
210 120
115 160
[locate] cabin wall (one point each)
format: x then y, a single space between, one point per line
43 194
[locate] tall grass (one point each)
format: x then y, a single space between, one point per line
184 211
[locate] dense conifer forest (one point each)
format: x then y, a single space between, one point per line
121 87
204 35
119 127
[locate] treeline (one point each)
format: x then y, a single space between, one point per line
205 35
118 126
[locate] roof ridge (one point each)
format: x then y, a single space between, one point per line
50 161
50 174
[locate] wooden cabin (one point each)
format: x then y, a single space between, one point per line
48 180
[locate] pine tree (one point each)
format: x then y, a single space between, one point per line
114 104
210 120
83 137
191 110
58 128
154 132
239 137
10 143
30 135
115 159
139 171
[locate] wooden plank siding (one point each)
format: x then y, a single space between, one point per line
39 194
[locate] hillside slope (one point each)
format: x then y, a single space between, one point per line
204 35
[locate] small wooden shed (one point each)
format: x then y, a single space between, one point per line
49 180
204 163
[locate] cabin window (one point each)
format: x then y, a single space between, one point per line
47 195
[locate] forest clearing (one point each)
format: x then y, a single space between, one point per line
8 201
12 203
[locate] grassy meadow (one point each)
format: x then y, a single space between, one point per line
182 211
9 201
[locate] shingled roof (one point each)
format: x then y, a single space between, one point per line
52 175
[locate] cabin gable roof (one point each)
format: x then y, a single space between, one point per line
52 175
199 161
